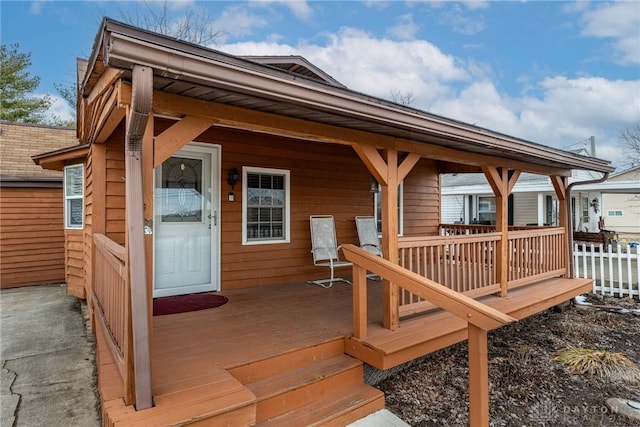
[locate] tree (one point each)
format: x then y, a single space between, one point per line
15 85
631 137
407 98
194 26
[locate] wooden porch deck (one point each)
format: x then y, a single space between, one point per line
271 350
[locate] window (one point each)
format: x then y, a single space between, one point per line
73 196
265 217
377 200
487 210
614 213
585 210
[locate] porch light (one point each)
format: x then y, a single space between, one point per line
234 176
373 185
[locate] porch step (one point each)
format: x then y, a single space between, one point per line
340 408
431 331
317 384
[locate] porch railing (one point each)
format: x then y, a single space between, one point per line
111 302
465 229
467 262
479 317
536 254
463 263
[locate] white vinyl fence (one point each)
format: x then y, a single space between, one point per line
614 273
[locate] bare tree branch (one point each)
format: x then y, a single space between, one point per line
631 137
407 98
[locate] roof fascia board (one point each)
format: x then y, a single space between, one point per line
123 51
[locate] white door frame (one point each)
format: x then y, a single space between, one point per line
216 164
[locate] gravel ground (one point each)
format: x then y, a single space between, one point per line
527 387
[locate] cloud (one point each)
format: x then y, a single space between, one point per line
36 7
405 29
237 21
59 109
556 110
619 22
461 22
299 8
373 65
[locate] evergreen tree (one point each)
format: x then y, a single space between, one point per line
16 105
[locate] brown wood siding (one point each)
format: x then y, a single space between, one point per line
421 196
88 226
115 188
325 180
31 236
74 262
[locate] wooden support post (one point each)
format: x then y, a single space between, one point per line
498 179
359 302
560 184
478 377
391 319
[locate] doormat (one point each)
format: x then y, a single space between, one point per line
185 303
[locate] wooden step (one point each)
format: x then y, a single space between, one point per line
431 331
291 389
261 369
339 408
217 399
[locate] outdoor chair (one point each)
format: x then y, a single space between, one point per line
324 248
368 236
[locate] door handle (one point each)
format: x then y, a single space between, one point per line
214 217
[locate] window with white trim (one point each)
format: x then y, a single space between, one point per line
614 213
377 206
266 206
74 196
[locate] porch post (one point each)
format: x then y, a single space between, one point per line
137 116
478 354
499 180
390 237
560 184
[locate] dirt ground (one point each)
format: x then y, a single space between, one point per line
527 387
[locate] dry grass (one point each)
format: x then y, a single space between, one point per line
605 364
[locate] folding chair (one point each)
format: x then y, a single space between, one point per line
324 248
368 236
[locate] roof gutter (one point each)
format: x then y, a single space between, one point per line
202 66
568 210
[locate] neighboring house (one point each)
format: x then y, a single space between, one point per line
31 206
610 205
201 171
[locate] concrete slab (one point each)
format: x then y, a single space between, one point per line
382 418
48 359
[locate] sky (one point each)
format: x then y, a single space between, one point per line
552 72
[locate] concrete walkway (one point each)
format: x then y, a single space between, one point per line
47 358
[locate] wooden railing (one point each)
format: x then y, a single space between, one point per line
463 263
536 254
465 229
111 303
479 317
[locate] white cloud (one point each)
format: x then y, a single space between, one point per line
557 110
372 65
405 29
299 8
237 21
59 108
620 22
36 7
461 22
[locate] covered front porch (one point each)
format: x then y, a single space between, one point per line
275 355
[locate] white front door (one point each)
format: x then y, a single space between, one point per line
186 204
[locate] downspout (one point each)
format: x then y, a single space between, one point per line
570 214
139 111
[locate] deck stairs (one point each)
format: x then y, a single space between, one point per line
436 329
314 386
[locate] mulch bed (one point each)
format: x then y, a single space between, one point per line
527 387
